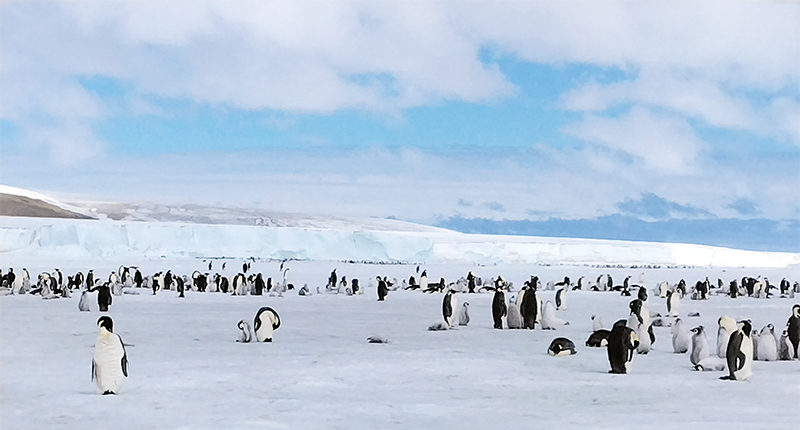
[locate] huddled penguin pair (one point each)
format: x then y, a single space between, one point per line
264 324
110 362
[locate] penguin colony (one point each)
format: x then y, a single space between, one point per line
737 345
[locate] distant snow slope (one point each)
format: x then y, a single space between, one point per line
19 202
153 231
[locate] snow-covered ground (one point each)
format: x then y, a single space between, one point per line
187 371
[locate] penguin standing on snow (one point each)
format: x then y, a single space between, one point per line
680 338
727 326
699 345
83 304
513 317
463 314
499 309
740 353
265 323
103 297
793 327
449 304
785 347
767 347
247 334
383 289
639 322
529 306
561 297
622 341
673 303
110 363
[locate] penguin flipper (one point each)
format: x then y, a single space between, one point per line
124 361
94 370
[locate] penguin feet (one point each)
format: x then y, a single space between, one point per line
107 392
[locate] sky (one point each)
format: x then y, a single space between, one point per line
478 115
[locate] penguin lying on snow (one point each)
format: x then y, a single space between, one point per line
710 364
377 339
549 319
598 338
560 347
439 326
110 363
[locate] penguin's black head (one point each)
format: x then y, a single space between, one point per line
240 325
796 310
746 327
106 323
697 330
636 306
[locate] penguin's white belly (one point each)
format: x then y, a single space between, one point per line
747 370
108 355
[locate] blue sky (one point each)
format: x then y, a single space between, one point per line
673 114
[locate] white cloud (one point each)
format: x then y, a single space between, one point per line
663 143
690 62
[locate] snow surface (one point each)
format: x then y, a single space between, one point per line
124 240
187 371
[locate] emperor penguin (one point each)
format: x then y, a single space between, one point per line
662 289
513 317
561 298
598 338
699 345
423 280
754 337
622 341
549 319
383 289
727 325
680 338
673 304
265 323
785 347
740 353
110 363
83 304
767 347
103 297
247 332
449 306
561 347
529 307
638 321
499 309
793 327
463 314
